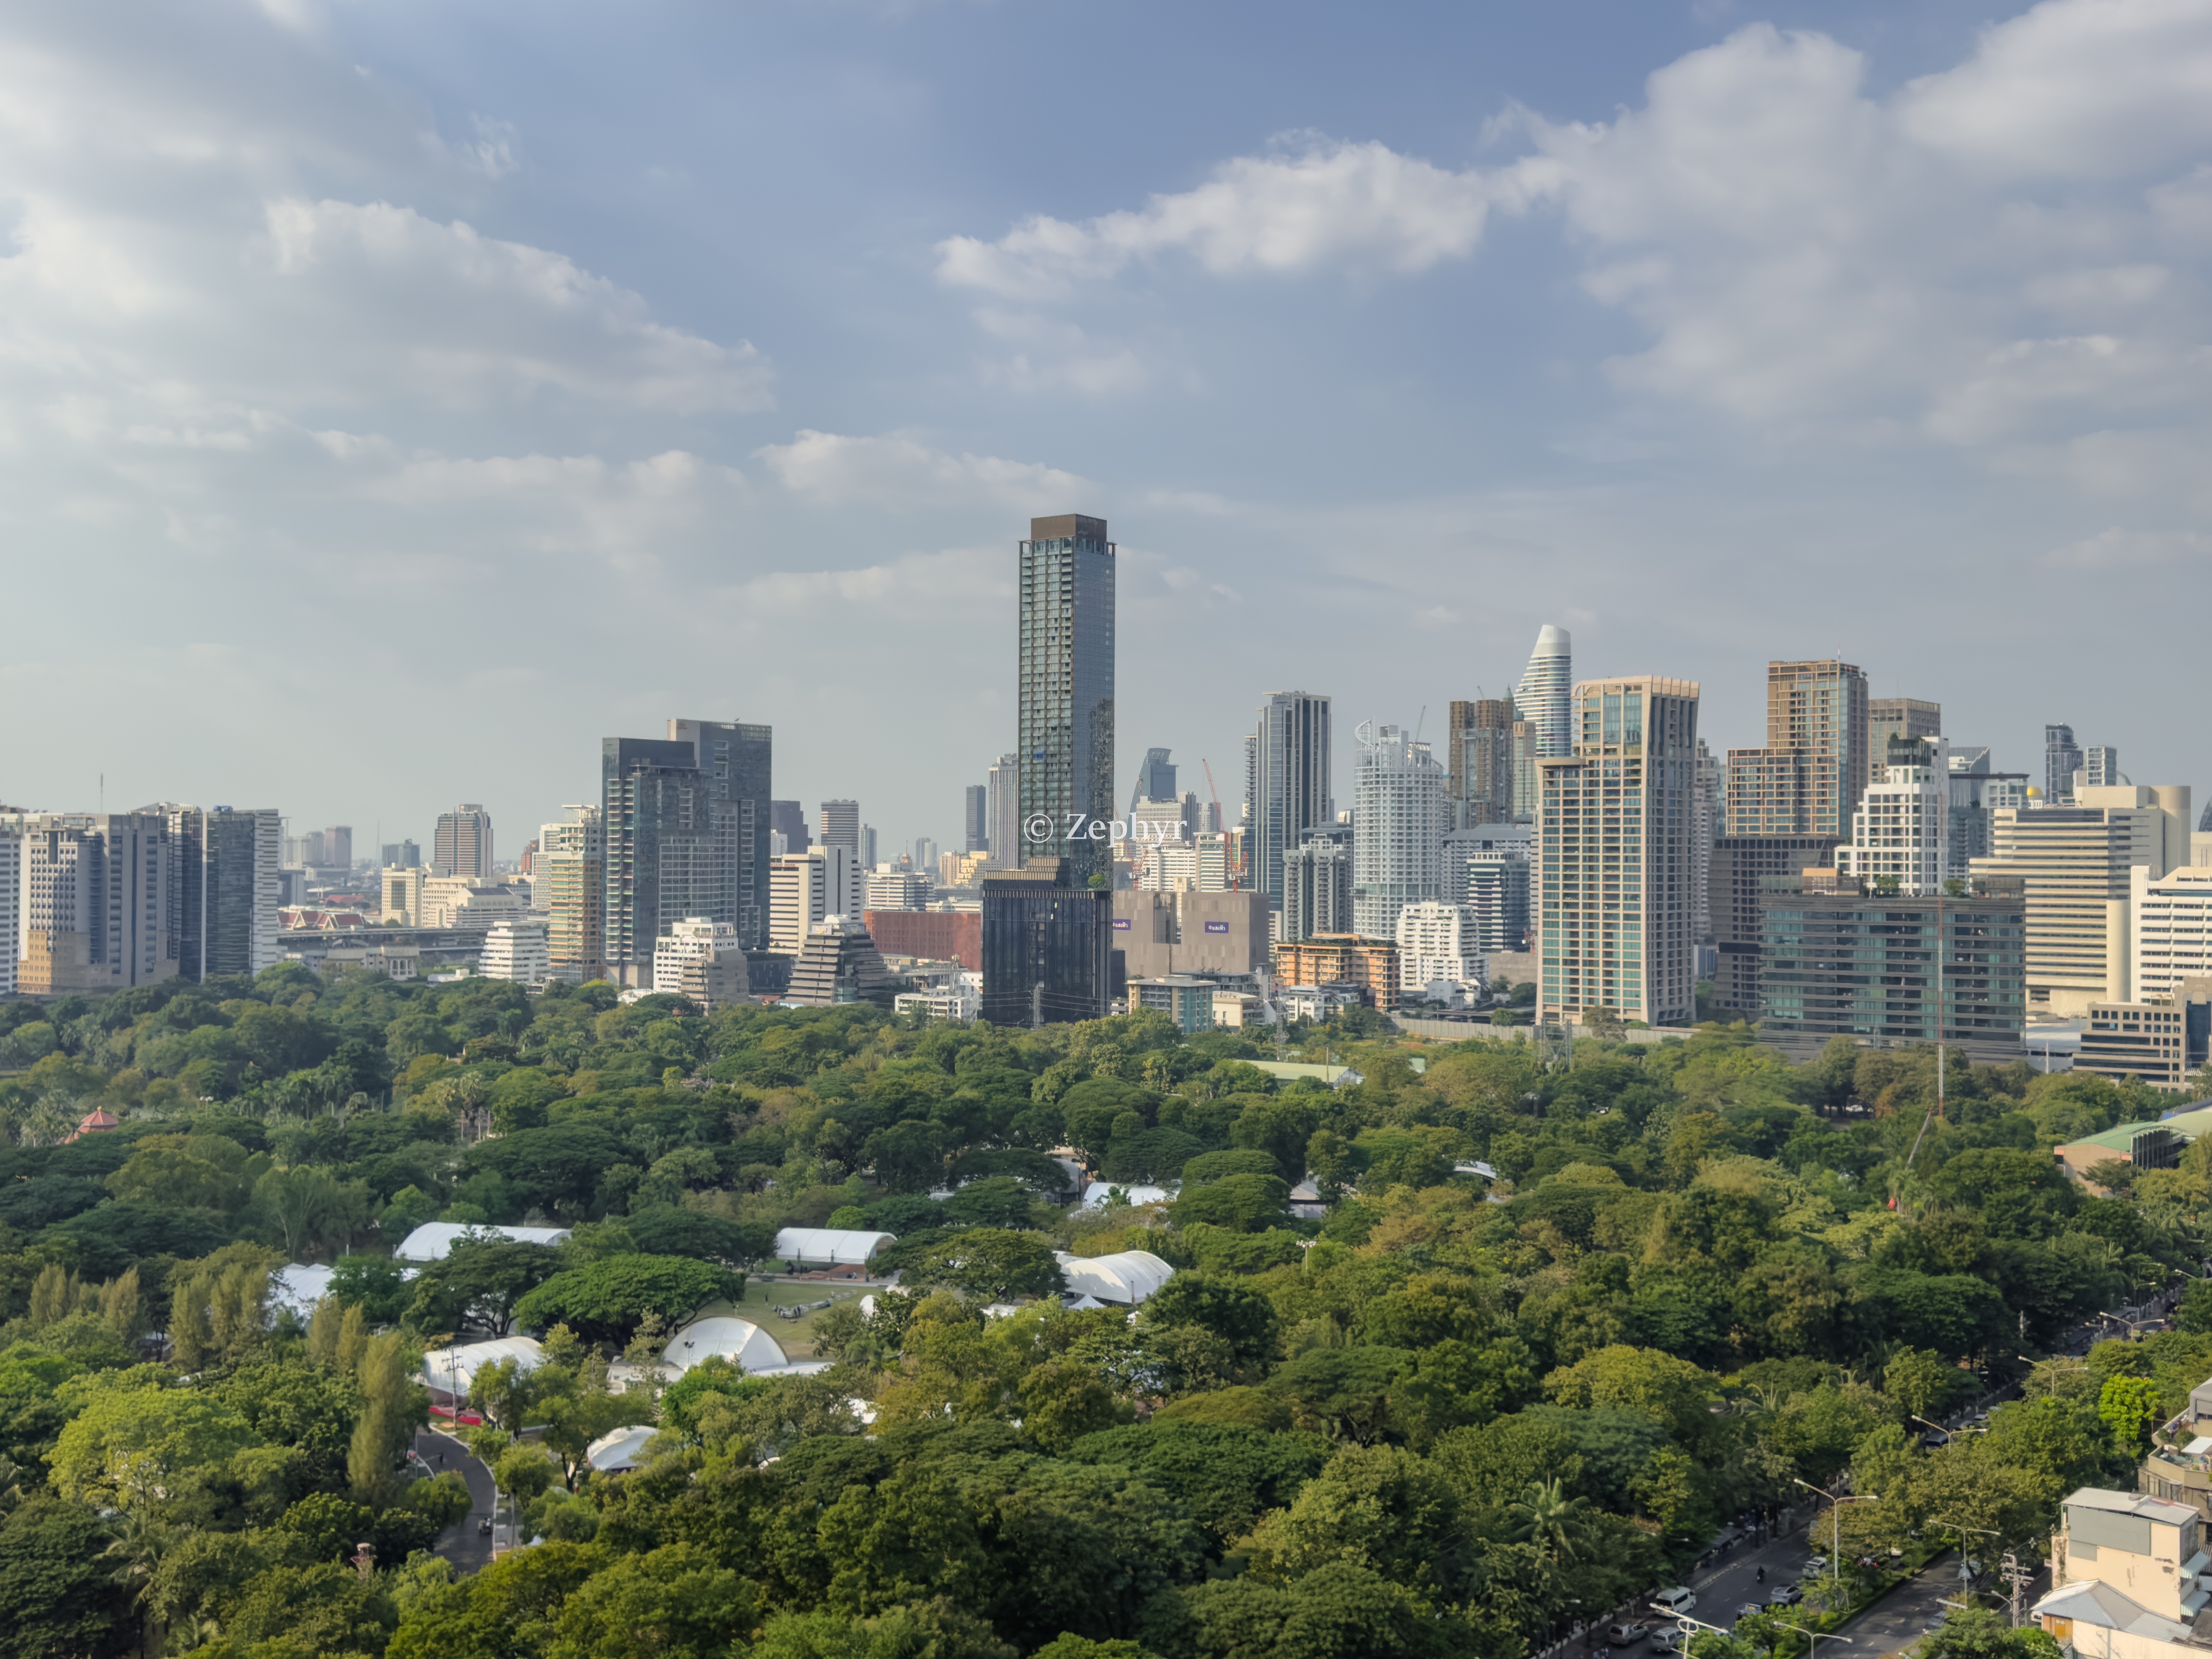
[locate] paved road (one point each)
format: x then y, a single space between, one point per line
1902 1617
465 1543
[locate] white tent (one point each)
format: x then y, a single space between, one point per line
299 1287
433 1240
453 1371
622 1449
1124 1279
1094 1195
738 1339
831 1244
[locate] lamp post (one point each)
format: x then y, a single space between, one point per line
1836 1519
1814 1637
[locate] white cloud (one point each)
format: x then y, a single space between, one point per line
1324 204
899 471
2117 547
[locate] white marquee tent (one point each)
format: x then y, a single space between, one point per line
1124 1279
738 1339
433 1240
834 1245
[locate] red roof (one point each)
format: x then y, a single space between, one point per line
93 1121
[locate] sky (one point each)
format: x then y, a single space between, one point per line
397 398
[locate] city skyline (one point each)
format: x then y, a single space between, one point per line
1406 377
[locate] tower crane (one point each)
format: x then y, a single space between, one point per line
1236 872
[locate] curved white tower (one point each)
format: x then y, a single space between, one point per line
1545 695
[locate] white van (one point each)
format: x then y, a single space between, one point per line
1676 1600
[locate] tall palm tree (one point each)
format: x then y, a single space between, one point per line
1558 1525
137 1548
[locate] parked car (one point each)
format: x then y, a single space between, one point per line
1626 1635
1934 1438
1749 1610
1817 1565
1675 1600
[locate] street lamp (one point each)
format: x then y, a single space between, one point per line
1836 1518
1814 1635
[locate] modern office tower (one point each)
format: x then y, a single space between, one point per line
1614 854
975 818
895 890
2073 862
517 950
1245 812
1156 777
1809 776
1436 941
2062 758
867 847
788 819
2101 767
925 854
1978 795
810 887
1400 818
737 761
1290 782
11 902
1738 867
1064 693
1004 784
223 902
671 848
1479 759
1048 945
1901 835
1897 717
338 846
841 827
462 844
96 902
1704 830
1316 888
569 890
1523 741
2170 926
1487 869
1544 697
1839 962
406 854
839 962
702 960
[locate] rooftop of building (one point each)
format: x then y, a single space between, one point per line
2129 1503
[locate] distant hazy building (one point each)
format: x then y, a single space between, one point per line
515 949
841 826
1807 778
2062 759
1400 818
470 903
867 858
405 854
96 902
896 890
1004 785
1156 777
569 890
975 818
1048 946
2101 767
1845 962
787 819
840 964
462 845
1901 835
338 846
1897 717
224 900
1316 888
2075 863
1614 856
1065 695
702 960
1544 697
1290 759
1438 941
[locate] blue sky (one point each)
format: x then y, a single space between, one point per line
396 398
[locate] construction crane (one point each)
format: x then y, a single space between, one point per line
1236 872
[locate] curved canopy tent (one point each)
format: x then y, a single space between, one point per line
1123 1279
433 1240
453 1371
834 1245
739 1339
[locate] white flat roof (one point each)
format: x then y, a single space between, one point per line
433 1240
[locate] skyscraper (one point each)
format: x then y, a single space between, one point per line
1897 717
1705 828
2101 767
223 902
841 826
1065 694
338 846
405 854
737 761
1614 851
671 848
1048 946
1006 811
95 905
572 859
462 845
1316 888
11 901
1399 820
787 819
1901 835
1809 776
1478 756
1290 783
1156 777
1544 696
975 818
2062 758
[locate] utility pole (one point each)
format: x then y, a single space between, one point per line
2019 1578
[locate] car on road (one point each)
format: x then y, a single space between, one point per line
1815 1567
1749 1610
1676 1600
1626 1635
1784 1595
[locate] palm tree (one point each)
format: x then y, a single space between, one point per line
139 1547
1556 1524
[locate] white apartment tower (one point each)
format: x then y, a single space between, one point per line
1436 941
1544 696
2170 919
807 888
1400 818
1614 855
516 949
1901 831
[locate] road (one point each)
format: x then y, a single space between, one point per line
465 1543
1902 1617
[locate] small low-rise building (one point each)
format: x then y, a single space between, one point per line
2127 1574
515 949
1183 998
1369 965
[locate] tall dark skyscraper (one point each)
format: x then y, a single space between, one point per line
788 819
675 836
1065 694
1156 778
1290 784
737 761
975 818
2062 759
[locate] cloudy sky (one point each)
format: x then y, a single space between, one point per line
396 398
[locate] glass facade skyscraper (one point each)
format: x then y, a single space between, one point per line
1290 784
1065 696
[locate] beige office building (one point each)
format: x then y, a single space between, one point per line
569 888
2076 863
806 889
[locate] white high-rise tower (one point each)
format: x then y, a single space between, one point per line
1546 694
